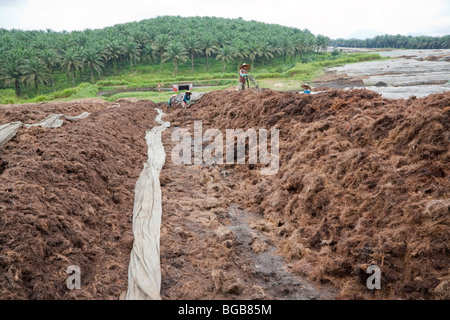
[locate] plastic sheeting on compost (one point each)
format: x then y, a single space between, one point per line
55 121
9 130
144 271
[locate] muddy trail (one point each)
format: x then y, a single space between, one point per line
362 180
275 276
211 248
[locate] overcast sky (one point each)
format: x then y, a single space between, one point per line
333 18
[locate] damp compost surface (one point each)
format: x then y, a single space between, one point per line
363 180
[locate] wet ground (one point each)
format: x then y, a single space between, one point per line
362 180
211 248
271 271
408 73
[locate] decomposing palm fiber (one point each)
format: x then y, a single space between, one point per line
9 130
66 198
363 180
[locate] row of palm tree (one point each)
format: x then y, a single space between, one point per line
32 57
36 68
396 41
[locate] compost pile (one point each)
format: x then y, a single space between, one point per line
66 198
363 180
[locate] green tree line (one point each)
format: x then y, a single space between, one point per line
396 41
30 58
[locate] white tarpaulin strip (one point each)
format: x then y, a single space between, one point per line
55 121
52 121
80 117
9 130
144 271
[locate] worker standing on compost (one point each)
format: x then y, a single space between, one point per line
186 99
243 75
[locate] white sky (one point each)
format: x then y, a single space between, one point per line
333 18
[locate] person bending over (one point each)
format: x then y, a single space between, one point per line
187 100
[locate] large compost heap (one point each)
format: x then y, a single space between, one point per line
363 180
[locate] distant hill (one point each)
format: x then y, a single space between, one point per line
33 59
417 34
395 41
363 34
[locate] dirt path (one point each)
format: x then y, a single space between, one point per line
273 273
213 249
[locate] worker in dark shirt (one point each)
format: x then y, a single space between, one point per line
186 99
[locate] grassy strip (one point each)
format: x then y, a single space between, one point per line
157 96
84 90
8 96
150 76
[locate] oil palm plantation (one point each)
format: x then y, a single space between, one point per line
239 50
193 47
132 52
94 61
71 62
265 51
35 72
148 40
148 53
225 54
114 50
176 52
51 59
254 51
160 44
322 42
209 47
287 47
11 73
